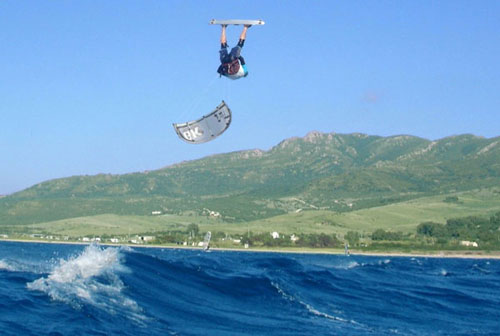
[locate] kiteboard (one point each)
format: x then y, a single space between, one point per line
237 22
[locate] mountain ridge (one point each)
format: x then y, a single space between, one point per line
330 170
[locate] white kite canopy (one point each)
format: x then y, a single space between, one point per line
238 22
207 127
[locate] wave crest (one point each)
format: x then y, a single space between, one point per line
5 266
90 278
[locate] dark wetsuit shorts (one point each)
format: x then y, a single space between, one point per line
235 53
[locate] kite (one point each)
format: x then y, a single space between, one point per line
207 127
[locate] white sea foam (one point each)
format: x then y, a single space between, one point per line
5 266
282 292
309 308
342 265
349 265
354 264
417 261
20 266
316 312
90 278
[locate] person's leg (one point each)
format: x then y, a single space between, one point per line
224 56
223 46
223 40
236 51
243 36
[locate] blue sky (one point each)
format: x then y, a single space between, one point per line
89 87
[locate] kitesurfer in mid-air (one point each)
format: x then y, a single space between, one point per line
232 63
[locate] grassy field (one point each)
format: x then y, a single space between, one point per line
404 216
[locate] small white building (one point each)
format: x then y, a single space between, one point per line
275 235
214 214
86 239
114 240
147 238
294 238
211 213
156 213
468 243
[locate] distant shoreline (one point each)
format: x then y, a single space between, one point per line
416 254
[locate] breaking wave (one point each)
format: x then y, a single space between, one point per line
5 266
92 278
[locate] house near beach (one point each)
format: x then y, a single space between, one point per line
469 243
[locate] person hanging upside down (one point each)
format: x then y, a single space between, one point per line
232 64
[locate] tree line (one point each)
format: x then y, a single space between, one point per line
472 228
485 231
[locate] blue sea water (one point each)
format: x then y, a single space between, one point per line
51 289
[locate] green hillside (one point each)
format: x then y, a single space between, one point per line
402 216
339 174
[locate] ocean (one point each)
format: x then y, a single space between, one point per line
60 289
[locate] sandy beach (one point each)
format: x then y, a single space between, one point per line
353 252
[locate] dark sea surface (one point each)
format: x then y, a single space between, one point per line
50 289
